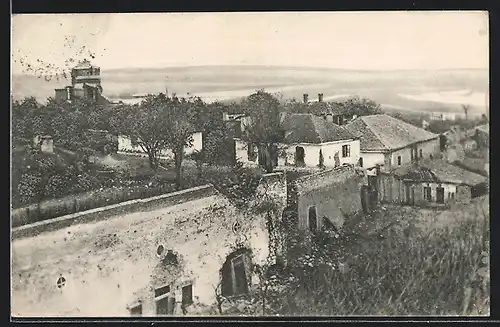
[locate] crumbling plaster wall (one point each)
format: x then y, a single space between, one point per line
334 193
111 264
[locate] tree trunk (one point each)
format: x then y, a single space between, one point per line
269 167
153 162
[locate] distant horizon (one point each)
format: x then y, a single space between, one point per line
275 66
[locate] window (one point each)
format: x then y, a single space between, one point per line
234 273
162 291
136 310
421 154
399 160
187 295
313 222
427 193
164 302
361 162
346 151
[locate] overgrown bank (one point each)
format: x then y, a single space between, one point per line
402 270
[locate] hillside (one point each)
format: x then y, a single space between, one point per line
406 90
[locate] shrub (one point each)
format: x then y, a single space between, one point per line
438 272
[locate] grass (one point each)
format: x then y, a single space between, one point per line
409 269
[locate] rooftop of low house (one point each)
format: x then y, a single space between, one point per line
439 170
309 128
384 133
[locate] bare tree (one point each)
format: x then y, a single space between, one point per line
465 108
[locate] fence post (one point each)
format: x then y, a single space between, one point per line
27 215
39 212
74 206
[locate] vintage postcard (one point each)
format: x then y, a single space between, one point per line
250 164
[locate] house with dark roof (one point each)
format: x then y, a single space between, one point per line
430 182
390 142
307 139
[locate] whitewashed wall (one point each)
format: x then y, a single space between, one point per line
125 146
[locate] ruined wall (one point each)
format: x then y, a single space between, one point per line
334 193
112 264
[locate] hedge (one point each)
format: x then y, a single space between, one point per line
86 201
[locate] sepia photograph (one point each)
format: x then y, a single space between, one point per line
250 164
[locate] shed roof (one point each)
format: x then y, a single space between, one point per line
384 133
439 170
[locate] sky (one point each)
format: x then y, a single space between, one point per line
348 40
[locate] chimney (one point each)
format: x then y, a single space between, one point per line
47 144
320 97
306 97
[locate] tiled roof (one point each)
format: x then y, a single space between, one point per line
383 133
439 170
308 128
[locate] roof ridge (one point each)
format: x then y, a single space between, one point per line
374 134
315 125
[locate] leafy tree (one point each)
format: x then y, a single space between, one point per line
362 106
158 123
179 131
265 129
145 125
296 107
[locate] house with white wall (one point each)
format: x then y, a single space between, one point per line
307 137
127 146
168 255
390 142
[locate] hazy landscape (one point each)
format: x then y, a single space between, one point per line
414 90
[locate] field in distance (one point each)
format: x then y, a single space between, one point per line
402 90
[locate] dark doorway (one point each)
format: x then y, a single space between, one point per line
361 162
240 276
300 156
440 194
234 273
